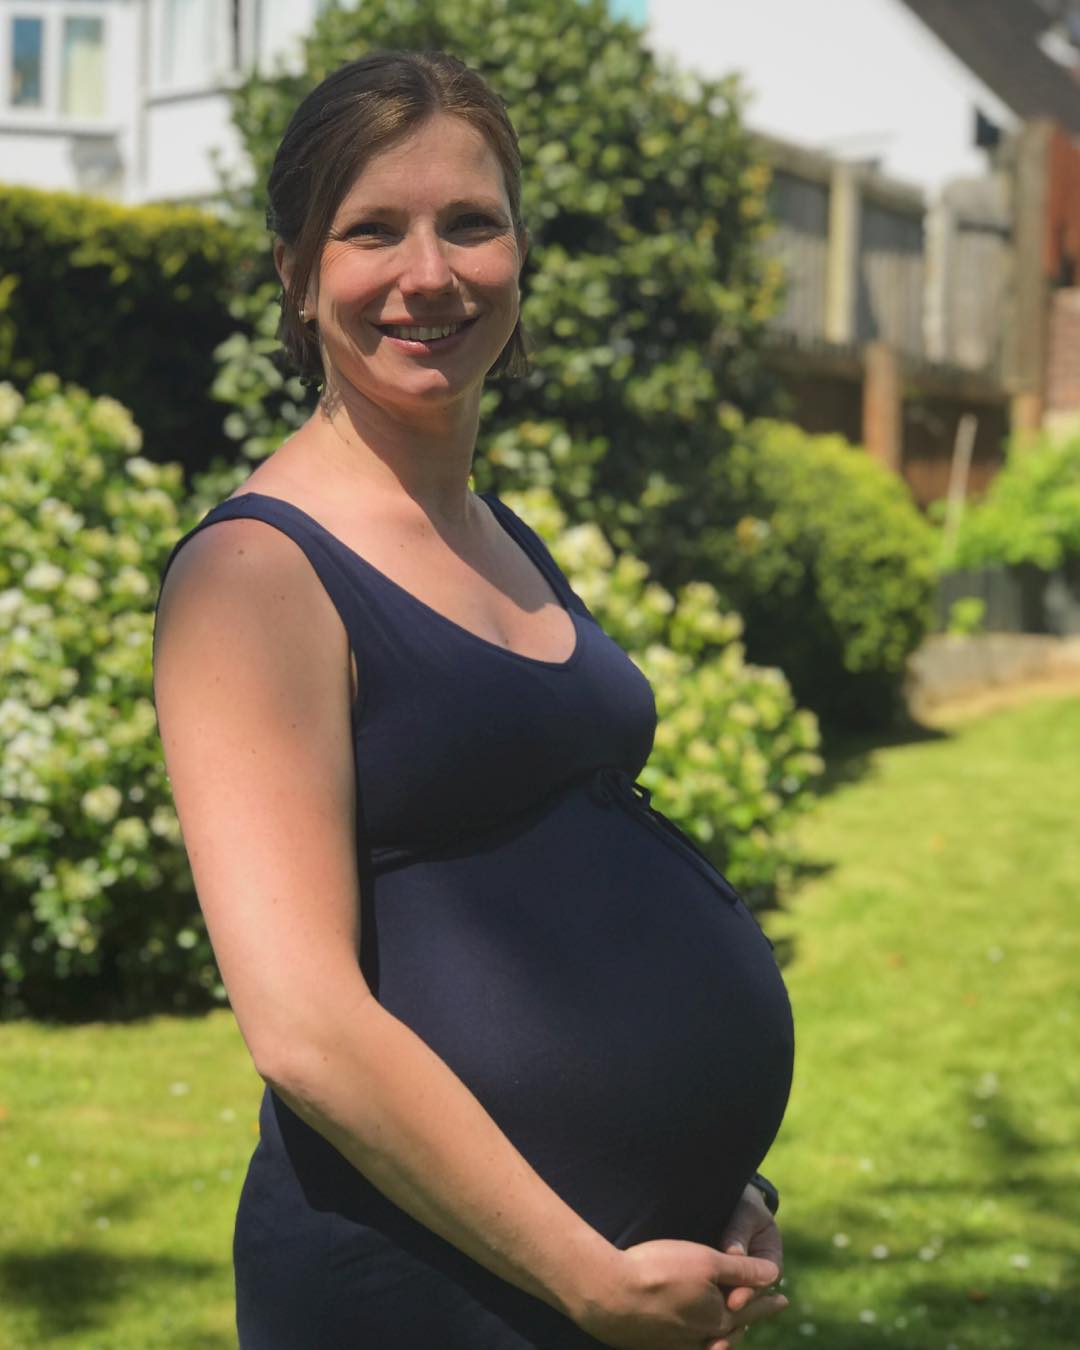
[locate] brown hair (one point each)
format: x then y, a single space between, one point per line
358 110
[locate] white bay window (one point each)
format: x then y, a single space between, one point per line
54 62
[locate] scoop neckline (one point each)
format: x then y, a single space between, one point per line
570 661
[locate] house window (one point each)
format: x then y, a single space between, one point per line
82 73
187 41
197 42
56 63
275 28
27 47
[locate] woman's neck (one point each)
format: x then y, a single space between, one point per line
362 449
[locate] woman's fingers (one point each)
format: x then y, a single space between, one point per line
734 1269
759 1309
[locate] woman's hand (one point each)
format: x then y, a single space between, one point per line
669 1295
751 1231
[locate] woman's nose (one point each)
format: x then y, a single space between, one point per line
425 267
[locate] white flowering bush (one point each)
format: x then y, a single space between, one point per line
97 909
733 755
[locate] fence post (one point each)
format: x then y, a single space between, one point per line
883 405
842 259
940 235
1026 349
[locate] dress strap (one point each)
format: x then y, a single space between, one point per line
538 551
365 627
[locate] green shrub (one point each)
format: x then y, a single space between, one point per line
1030 513
733 755
98 914
645 295
125 301
830 564
966 616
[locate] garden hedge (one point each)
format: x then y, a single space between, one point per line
127 301
98 914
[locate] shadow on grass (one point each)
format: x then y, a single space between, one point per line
72 1290
917 1310
848 754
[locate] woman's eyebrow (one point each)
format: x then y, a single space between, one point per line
362 211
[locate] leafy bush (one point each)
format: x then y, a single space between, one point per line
1030 513
98 913
733 756
830 564
126 301
966 616
645 295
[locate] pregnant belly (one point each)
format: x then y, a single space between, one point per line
623 1021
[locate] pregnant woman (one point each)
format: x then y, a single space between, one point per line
524 1046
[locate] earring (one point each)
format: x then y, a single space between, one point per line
303 313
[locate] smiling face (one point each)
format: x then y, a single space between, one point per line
416 291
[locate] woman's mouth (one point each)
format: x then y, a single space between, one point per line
425 337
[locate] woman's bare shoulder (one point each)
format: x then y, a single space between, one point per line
251 689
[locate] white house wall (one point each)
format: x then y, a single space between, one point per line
857 79
180 135
152 143
41 148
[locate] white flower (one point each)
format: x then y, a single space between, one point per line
44 576
130 581
11 602
143 470
131 832
83 588
841 1240
879 1251
867 1315
11 403
102 803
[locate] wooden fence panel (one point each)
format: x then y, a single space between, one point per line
889 303
800 209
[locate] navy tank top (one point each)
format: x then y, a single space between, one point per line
570 953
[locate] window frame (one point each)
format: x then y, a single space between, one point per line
214 80
49 114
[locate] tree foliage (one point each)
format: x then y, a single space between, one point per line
98 913
645 291
127 301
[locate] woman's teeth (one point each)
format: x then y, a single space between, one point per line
421 334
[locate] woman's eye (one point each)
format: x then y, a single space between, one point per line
368 227
475 220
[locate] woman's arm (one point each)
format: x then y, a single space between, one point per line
252 692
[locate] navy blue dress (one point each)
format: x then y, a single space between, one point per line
566 949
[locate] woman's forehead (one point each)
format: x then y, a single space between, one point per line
445 158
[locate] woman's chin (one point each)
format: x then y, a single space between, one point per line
419 390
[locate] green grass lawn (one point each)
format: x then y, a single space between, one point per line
930 1159
928 1165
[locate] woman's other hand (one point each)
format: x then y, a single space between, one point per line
669 1295
751 1231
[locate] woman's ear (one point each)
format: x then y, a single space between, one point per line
282 261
